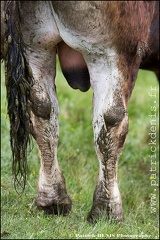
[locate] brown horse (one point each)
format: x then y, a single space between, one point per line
101 44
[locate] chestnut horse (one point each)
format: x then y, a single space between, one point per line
101 44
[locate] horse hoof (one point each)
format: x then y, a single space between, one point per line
60 208
95 215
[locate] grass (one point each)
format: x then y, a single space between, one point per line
19 217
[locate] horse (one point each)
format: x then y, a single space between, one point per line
100 44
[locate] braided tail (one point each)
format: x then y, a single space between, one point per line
19 81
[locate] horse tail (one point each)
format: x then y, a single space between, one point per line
19 80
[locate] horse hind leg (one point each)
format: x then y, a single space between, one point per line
52 194
110 125
41 37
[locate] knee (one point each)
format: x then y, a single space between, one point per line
114 115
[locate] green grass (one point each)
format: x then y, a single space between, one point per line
19 217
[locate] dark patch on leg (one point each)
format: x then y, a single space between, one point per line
114 115
40 106
77 77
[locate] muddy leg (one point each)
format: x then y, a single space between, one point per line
41 37
110 125
52 195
